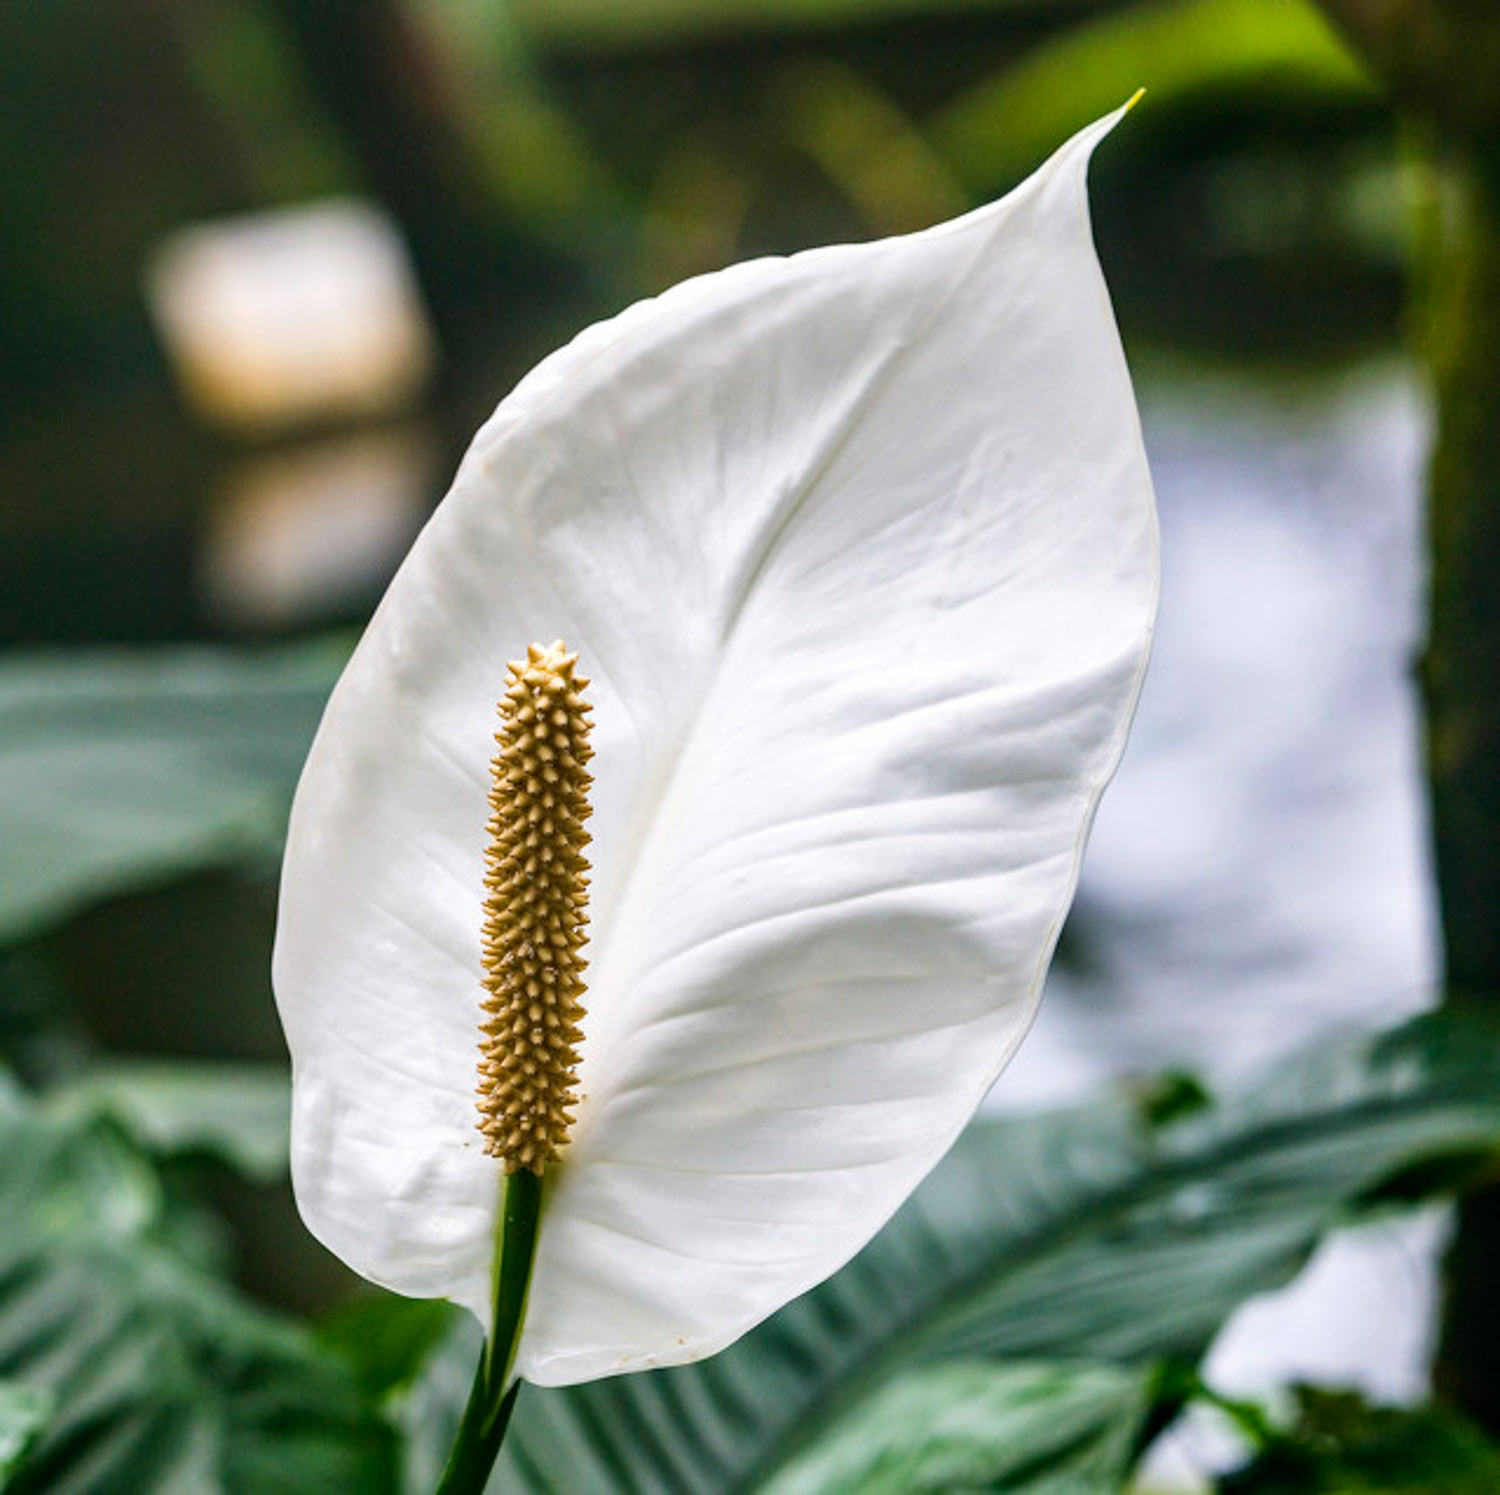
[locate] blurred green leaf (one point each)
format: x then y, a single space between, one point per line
164 1380
387 1340
237 1113
998 132
122 768
24 1411
1340 1445
866 145
1086 1236
38 1039
428 1410
1038 1429
605 23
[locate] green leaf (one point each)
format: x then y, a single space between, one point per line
1044 1430
430 1409
24 1411
37 1039
606 23
237 1113
164 1380
1172 48
1088 1236
121 768
386 1340
1340 1445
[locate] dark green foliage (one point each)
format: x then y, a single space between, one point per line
386 1340
163 1379
24 1412
972 1426
1340 1445
237 1114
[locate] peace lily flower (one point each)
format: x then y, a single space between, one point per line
858 551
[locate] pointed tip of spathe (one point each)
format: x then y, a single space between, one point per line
1104 125
1079 148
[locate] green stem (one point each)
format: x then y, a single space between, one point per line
493 1395
479 1437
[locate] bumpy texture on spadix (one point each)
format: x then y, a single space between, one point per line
535 915
859 549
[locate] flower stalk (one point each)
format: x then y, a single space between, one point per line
493 1394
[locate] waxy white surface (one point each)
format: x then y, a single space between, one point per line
859 550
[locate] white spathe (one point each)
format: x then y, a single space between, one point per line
859 550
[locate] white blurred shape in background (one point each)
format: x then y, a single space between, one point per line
294 317
300 534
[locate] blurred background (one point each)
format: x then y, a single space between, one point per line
265 265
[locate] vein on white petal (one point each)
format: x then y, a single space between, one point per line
734 1000
856 904
457 956
732 846
419 1148
842 1166
717 1214
1020 842
460 893
843 432
471 770
651 1028
676 1251
902 714
379 1060
621 1098
459 965
758 557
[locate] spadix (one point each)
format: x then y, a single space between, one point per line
534 912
